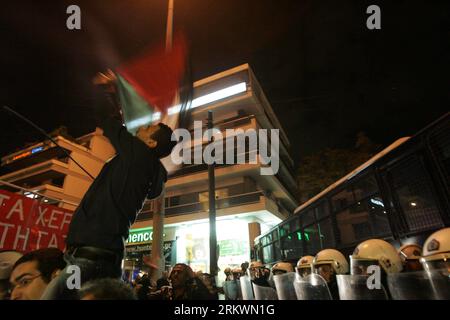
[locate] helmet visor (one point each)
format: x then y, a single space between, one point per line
304 270
278 272
437 265
325 270
360 266
258 273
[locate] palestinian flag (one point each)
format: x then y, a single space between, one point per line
149 85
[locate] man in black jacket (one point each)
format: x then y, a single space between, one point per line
101 223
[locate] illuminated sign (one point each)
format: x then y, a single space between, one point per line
37 149
140 235
28 153
22 155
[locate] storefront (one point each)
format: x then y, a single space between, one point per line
232 241
189 243
139 244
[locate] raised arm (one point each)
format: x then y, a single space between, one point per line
112 127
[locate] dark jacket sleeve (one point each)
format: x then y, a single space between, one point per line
119 137
158 182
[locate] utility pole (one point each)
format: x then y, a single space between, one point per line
212 208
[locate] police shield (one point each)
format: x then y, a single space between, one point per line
264 293
238 284
440 283
420 285
312 287
230 289
359 287
284 284
246 288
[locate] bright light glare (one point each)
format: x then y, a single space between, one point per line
140 122
378 202
413 204
208 98
220 94
30 195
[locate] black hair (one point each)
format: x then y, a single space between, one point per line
107 289
163 138
48 261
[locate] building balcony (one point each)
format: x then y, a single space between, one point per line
252 203
51 170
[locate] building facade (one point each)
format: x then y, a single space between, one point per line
247 202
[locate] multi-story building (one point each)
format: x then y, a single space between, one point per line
247 202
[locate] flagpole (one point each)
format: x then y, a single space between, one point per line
169 28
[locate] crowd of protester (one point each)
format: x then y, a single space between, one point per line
28 276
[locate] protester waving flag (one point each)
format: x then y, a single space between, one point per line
156 86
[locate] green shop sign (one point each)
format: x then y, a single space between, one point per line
231 247
141 235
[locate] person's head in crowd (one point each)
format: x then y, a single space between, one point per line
236 272
157 137
32 273
180 275
162 282
244 267
106 289
143 287
436 252
410 255
282 268
328 263
7 261
227 272
304 266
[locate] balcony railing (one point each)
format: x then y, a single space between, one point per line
34 194
189 208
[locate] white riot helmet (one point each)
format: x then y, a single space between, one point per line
436 250
410 251
282 267
236 272
254 269
7 261
304 266
255 264
332 257
375 252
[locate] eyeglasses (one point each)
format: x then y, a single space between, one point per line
24 282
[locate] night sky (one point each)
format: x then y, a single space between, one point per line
326 75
